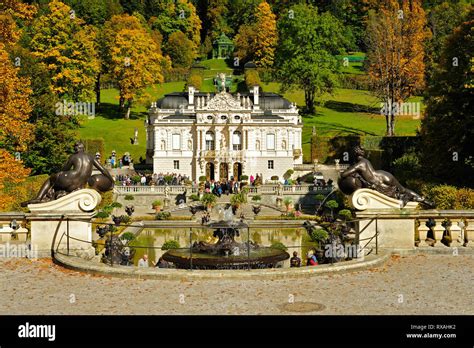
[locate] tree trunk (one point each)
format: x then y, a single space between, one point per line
309 100
122 103
97 89
129 109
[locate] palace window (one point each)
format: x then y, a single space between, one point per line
176 141
176 164
237 141
270 164
270 141
210 142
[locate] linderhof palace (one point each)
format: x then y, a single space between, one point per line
220 135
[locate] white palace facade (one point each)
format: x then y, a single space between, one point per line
222 135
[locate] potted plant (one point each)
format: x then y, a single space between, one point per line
157 205
287 202
236 200
209 200
256 208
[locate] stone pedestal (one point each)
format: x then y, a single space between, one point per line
69 216
395 225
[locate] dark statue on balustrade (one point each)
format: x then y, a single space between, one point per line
363 175
75 175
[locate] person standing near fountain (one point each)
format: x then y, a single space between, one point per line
143 262
295 261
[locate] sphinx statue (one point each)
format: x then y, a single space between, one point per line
363 175
75 175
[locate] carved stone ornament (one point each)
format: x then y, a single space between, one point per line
223 101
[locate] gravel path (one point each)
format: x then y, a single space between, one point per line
421 284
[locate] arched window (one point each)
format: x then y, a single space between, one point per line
237 140
210 141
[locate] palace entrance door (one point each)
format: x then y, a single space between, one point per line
224 171
237 170
210 171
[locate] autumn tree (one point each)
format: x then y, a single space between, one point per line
447 129
10 12
66 47
257 41
266 35
245 43
15 131
307 55
134 58
180 50
395 39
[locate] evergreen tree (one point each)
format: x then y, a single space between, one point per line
448 126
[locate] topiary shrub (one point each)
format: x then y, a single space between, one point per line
102 215
170 244
163 215
274 178
319 236
116 205
128 236
279 246
244 177
256 198
129 197
345 214
202 178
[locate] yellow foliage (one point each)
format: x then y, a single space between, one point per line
15 131
67 48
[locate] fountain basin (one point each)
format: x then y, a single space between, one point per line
263 257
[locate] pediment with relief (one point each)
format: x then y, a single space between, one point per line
223 101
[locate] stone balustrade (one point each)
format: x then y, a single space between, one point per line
266 189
